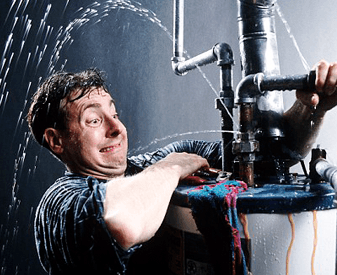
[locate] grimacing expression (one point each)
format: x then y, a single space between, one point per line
95 142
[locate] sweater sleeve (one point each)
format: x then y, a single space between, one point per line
209 150
70 233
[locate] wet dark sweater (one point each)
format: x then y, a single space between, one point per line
70 232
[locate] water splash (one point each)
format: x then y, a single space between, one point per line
22 25
91 15
218 96
13 55
291 35
173 136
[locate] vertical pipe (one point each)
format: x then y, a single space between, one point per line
178 30
257 37
245 146
227 98
225 102
259 53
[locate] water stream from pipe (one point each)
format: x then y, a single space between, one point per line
291 35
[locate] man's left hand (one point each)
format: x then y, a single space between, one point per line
325 96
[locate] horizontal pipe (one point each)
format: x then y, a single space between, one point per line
181 68
327 171
257 84
221 52
290 82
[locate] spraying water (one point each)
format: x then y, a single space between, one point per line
15 53
291 35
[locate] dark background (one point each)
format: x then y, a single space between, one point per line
156 106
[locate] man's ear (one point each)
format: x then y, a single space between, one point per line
54 139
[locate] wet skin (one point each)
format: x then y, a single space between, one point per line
95 142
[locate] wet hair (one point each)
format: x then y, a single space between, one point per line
46 110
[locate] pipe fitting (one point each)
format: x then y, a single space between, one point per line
176 61
181 68
248 88
245 144
254 85
224 54
327 171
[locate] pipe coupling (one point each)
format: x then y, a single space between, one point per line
245 143
248 88
176 61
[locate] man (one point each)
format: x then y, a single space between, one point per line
92 219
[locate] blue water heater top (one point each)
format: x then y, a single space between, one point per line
275 198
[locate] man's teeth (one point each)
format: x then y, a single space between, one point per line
106 149
109 148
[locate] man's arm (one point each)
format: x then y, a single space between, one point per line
302 127
304 119
135 206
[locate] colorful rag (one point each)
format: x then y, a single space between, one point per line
214 211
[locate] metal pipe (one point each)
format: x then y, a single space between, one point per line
248 91
179 65
257 37
178 31
245 146
182 67
327 171
259 60
289 82
254 85
259 54
225 103
222 53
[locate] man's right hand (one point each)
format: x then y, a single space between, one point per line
184 163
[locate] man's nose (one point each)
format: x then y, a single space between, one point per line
114 126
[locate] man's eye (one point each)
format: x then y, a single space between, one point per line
115 116
94 121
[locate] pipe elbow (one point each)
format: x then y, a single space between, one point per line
176 65
249 88
224 54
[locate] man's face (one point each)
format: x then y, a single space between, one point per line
95 142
